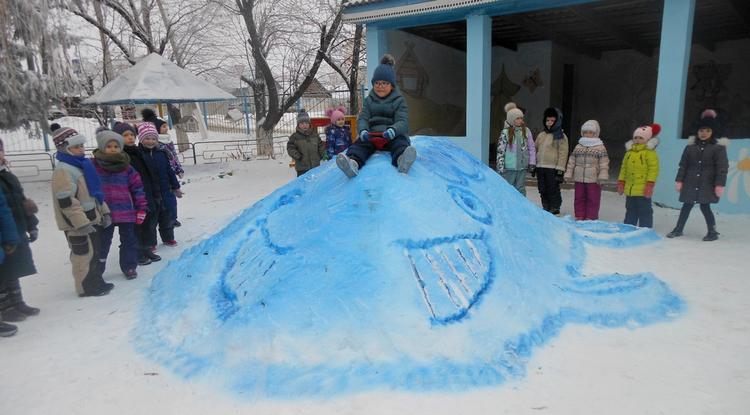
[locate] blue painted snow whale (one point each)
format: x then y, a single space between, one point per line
442 279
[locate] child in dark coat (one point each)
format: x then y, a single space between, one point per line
702 175
19 263
9 240
158 161
123 191
304 145
150 180
383 124
338 134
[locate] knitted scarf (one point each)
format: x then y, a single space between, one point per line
89 173
114 163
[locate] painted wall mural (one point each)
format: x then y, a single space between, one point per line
432 78
443 279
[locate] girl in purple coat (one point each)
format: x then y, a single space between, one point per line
123 192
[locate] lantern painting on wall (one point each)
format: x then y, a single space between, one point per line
411 76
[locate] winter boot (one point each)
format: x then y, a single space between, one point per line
177 223
347 165
406 159
130 274
7 330
12 315
143 259
101 290
675 233
26 309
152 256
712 235
169 243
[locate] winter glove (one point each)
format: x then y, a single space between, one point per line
678 186
33 235
648 191
719 190
9 249
364 135
559 176
620 187
532 170
140 217
30 207
106 220
389 134
178 192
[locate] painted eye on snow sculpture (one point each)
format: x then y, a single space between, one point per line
470 204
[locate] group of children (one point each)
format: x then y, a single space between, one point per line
124 186
700 179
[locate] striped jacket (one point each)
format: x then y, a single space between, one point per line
123 192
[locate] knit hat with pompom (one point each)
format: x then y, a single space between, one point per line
512 113
385 71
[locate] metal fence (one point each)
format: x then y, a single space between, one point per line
230 125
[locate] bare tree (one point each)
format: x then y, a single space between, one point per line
272 25
344 58
32 70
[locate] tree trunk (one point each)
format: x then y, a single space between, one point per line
106 58
264 142
354 73
183 142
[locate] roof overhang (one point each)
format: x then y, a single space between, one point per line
357 12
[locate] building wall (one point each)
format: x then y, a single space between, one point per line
618 90
442 108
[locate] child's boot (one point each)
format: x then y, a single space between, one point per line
347 165
406 159
676 232
7 330
712 235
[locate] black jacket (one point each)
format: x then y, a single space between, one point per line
703 166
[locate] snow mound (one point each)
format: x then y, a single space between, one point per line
442 279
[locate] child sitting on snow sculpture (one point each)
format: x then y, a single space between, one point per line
338 134
383 124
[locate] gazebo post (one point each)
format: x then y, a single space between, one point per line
377 46
674 59
478 70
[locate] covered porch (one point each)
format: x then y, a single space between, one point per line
460 62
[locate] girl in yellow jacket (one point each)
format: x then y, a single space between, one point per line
640 168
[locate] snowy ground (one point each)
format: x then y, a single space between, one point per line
77 356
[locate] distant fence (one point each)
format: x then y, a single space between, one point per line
238 116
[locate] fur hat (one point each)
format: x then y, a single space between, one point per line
148 114
121 127
302 116
709 119
105 135
556 129
647 131
335 114
54 127
593 126
147 130
385 71
512 112
67 137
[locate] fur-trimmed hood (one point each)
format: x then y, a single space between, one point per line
650 144
723 141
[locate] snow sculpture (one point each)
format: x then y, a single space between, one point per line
442 279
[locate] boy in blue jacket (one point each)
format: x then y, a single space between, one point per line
383 124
